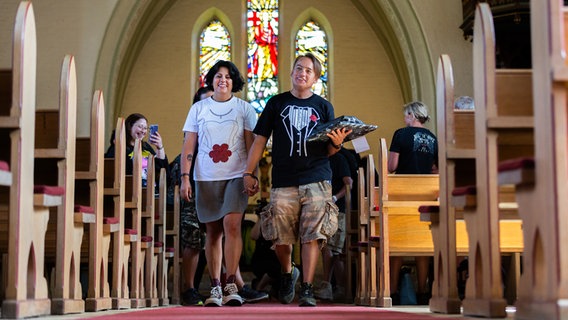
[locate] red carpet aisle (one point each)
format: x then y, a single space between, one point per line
272 311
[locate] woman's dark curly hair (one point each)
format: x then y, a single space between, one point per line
238 81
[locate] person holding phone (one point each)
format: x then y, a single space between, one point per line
137 127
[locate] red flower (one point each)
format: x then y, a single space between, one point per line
313 118
220 153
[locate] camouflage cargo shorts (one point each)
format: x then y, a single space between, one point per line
192 236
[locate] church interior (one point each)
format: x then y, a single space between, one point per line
79 237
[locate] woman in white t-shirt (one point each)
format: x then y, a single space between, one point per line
222 126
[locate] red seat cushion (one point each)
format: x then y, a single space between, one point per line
146 239
460 191
428 209
4 166
518 163
158 244
130 231
84 209
49 190
110 220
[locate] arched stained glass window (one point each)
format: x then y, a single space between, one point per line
262 63
311 38
214 45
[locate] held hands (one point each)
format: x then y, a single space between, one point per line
251 185
185 191
338 135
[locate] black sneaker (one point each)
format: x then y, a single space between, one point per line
287 285
250 295
191 297
307 295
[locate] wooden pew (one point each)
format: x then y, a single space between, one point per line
89 185
114 204
150 287
541 180
26 288
456 162
55 164
160 242
395 220
504 130
362 248
133 219
351 240
172 225
456 141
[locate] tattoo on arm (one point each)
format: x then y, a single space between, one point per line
190 157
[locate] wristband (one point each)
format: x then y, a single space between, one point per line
185 174
160 148
246 174
334 198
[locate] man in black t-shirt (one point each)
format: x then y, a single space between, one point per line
300 200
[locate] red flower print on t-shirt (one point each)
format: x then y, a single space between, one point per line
220 153
313 118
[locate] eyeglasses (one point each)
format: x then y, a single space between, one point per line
141 127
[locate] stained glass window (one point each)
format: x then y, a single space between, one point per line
262 62
214 45
311 38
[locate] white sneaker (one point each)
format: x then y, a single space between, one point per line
324 292
216 297
231 295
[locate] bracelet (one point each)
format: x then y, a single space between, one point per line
185 174
334 145
246 174
160 148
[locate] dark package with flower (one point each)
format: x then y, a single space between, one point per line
350 122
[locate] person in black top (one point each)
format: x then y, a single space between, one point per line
136 126
300 200
413 150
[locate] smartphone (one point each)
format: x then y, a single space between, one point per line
153 129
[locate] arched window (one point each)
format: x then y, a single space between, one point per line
214 45
262 62
311 38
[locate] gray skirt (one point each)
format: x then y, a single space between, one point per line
215 199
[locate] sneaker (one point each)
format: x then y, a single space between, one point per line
191 297
324 292
231 295
216 297
287 285
250 295
307 295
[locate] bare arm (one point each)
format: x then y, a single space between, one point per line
393 161
255 154
187 153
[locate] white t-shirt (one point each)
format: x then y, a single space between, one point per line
220 130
